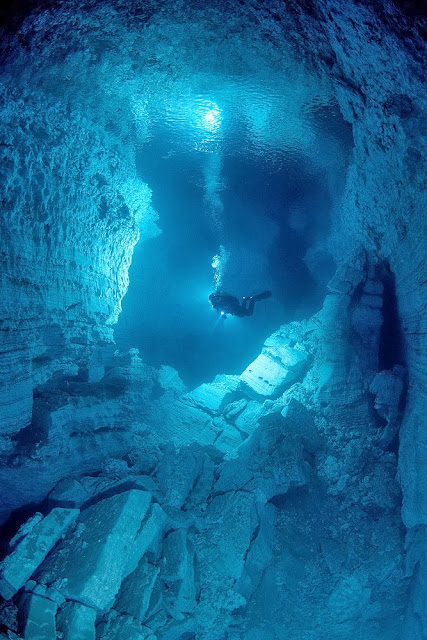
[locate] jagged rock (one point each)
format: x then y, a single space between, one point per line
300 422
9 616
150 533
185 592
273 370
267 463
346 279
135 593
10 636
333 554
178 575
248 419
349 598
38 617
176 630
51 593
202 486
75 620
186 424
76 492
69 492
69 231
232 410
228 441
175 556
156 613
25 528
214 396
260 553
121 627
177 473
170 381
90 564
415 569
178 518
221 550
30 552
388 388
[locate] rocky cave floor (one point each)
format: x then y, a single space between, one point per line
274 511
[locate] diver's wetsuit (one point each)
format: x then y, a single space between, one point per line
226 303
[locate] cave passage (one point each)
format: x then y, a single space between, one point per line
156 151
239 214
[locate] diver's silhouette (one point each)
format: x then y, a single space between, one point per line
226 303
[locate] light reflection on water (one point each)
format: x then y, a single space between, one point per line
240 115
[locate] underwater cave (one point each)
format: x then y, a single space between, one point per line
212 320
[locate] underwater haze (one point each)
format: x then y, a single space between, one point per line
244 194
213 320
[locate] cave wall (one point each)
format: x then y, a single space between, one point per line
374 57
73 212
72 209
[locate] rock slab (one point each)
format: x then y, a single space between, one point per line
30 552
90 566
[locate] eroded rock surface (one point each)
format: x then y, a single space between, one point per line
264 505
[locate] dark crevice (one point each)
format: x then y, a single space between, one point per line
391 348
16 519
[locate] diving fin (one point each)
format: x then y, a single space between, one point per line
262 296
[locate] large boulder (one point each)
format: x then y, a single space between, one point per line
109 539
32 549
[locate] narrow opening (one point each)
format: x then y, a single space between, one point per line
391 349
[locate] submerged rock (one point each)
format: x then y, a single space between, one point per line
135 593
285 518
214 396
38 617
90 563
276 368
32 549
76 620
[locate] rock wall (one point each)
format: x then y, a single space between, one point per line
72 210
323 424
374 56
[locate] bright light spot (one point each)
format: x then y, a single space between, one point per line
212 118
209 116
223 313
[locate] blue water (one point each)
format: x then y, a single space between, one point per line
265 204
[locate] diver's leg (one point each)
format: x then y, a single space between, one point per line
244 302
250 309
262 296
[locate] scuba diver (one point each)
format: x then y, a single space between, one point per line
226 303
